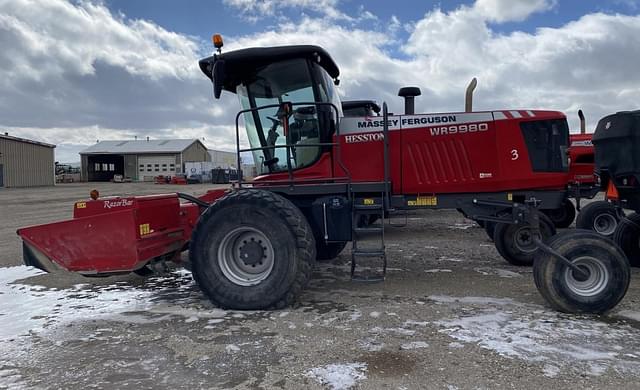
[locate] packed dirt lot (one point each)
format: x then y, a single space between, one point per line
451 315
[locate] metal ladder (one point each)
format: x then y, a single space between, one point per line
363 209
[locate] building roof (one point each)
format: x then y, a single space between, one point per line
140 146
12 138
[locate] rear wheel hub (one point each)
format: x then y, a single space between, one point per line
524 240
605 224
593 282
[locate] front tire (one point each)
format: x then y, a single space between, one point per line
606 265
601 217
252 250
515 242
562 217
627 236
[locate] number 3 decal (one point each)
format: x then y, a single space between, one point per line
514 154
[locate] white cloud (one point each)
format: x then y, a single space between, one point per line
69 39
257 9
511 10
75 72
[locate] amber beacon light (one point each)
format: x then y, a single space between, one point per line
217 41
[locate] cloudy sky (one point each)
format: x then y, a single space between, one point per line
74 72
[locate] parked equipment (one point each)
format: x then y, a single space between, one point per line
617 156
254 247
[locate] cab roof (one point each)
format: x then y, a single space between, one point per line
241 64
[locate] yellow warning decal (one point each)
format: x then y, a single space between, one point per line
509 196
423 201
368 201
145 229
81 205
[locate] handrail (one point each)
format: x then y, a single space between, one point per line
385 135
288 145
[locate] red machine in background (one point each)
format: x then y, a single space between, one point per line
600 216
254 247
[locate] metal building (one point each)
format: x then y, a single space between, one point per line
140 159
25 163
222 159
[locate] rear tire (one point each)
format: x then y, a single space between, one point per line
562 217
515 242
600 217
608 269
328 251
627 236
252 250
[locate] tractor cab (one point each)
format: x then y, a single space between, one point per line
289 103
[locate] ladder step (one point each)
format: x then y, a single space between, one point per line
368 229
368 252
367 207
366 210
368 279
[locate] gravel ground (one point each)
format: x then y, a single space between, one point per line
451 315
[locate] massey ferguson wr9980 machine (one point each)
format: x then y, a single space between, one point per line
324 178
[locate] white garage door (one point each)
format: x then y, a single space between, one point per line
150 166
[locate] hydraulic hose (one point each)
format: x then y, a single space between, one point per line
193 199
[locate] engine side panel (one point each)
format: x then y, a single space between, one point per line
447 153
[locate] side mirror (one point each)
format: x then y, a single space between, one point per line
218 78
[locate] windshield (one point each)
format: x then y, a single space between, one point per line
286 81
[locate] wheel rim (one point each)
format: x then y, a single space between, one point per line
245 256
524 240
594 283
605 224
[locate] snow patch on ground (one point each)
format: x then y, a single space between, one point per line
414 345
408 323
503 273
339 376
453 259
472 300
32 310
371 344
435 270
11 379
462 226
530 333
550 371
26 309
628 314
232 348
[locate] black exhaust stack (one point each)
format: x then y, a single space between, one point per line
409 93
